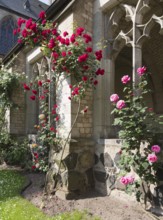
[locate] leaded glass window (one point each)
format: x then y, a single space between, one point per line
7 38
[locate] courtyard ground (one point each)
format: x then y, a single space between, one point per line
117 206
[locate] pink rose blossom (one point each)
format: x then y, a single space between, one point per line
130 179
125 180
120 104
152 158
156 148
114 98
141 70
125 79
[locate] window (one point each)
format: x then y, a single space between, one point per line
7 38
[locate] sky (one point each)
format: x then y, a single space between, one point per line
45 1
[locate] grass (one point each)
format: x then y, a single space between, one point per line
14 207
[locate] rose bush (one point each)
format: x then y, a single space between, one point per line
138 128
70 55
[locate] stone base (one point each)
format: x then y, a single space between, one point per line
107 155
76 174
66 195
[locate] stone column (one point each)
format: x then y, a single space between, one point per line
102 107
137 62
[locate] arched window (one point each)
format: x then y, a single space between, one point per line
7 38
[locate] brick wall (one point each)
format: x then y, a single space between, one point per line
17 116
83 16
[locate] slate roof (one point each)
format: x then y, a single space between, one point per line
17 7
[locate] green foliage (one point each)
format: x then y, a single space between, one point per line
14 207
8 81
14 151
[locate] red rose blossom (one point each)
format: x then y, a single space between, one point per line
26 87
33 97
42 15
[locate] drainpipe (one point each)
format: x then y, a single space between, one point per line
137 53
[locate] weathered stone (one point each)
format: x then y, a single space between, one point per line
76 181
106 160
100 176
96 159
159 173
90 178
117 158
85 160
70 161
158 196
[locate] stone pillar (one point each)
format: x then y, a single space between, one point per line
137 62
102 107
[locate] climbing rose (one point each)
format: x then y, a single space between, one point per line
83 57
42 15
141 70
79 30
28 23
114 98
95 82
39 83
26 87
51 43
125 79
20 41
33 97
25 33
65 33
34 91
63 53
120 104
152 158
89 49
14 31
98 55
84 78
155 148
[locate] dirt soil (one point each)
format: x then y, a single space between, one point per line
117 206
